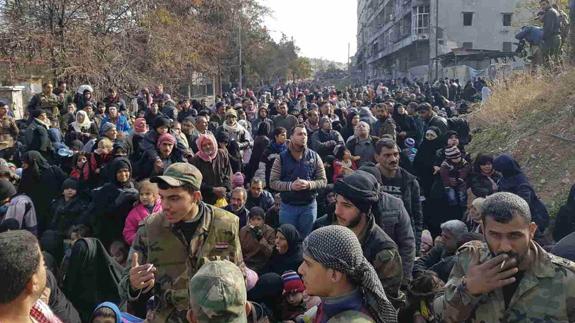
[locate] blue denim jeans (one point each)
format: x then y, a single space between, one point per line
300 216
456 197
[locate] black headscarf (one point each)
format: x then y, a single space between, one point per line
360 188
294 255
37 164
263 129
117 164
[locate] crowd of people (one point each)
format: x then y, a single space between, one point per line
290 204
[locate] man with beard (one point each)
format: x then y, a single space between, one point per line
298 174
237 205
285 120
431 119
509 277
384 124
357 195
400 183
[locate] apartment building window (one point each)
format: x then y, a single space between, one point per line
507 19
422 19
468 18
507 46
467 45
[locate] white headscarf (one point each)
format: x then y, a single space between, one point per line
85 125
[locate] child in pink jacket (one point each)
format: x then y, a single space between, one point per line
149 203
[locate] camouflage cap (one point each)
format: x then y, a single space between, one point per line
218 293
178 174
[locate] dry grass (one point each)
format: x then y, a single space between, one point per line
532 117
525 93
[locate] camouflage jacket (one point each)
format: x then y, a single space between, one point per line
381 251
546 293
163 245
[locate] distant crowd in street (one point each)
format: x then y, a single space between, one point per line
293 203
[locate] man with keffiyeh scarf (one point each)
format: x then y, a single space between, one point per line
335 269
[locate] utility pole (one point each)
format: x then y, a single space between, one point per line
240 43
436 38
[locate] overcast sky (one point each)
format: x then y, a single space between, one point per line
320 28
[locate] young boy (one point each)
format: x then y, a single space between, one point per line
257 240
454 171
293 304
67 208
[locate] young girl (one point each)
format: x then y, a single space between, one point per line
149 203
344 163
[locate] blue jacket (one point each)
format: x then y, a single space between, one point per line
121 125
532 34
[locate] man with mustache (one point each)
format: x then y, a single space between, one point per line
400 183
509 277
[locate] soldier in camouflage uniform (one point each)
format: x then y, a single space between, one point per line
218 294
172 245
46 100
508 278
357 193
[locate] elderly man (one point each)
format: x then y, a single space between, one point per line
451 233
509 277
335 269
237 205
362 144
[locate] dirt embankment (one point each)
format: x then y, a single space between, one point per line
532 117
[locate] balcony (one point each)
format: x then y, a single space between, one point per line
396 46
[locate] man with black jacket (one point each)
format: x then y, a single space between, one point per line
400 183
431 119
392 217
357 197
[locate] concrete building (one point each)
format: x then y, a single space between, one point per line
401 38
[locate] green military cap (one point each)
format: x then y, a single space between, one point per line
178 174
218 293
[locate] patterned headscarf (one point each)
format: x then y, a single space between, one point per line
347 257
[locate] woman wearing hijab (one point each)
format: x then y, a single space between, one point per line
41 182
353 120
565 220
81 129
406 127
92 276
214 164
430 182
112 202
424 160
261 142
287 254
514 181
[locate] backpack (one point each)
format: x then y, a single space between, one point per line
461 126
